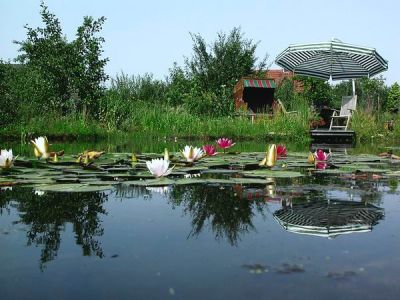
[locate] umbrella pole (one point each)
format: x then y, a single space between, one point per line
354 87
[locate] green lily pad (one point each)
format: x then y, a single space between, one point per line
73 187
150 182
272 173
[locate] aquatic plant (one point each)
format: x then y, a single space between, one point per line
321 155
270 157
225 143
166 154
281 151
209 150
41 147
6 159
159 167
191 153
311 158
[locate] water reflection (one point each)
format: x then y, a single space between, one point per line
46 216
229 216
328 218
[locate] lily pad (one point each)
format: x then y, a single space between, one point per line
272 173
150 182
73 187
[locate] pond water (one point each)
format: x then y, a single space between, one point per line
322 235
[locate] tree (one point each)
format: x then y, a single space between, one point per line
73 70
393 99
206 83
225 61
372 93
89 73
317 91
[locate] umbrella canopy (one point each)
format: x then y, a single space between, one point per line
333 59
329 219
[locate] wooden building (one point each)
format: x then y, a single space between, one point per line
254 95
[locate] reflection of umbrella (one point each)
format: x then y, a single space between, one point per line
334 60
329 219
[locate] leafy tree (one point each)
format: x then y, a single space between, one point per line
178 85
225 61
393 99
317 91
206 83
372 93
74 71
285 93
47 51
89 74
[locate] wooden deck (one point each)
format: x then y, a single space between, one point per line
327 136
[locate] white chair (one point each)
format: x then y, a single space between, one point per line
341 119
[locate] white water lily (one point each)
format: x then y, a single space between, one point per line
39 192
159 167
192 153
6 159
41 147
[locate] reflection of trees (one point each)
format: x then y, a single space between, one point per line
46 216
362 184
229 216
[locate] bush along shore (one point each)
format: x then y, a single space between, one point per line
58 87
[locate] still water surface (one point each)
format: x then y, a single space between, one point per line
204 241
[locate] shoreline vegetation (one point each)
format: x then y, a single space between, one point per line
57 88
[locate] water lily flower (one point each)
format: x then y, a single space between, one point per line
281 151
320 155
88 155
270 157
225 143
39 192
41 147
159 167
6 159
311 158
210 150
192 154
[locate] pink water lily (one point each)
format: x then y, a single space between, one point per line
209 150
225 143
320 155
281 151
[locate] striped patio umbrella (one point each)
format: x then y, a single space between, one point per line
333 59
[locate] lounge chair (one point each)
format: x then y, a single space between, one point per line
283 109
341 119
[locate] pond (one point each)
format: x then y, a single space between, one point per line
222 228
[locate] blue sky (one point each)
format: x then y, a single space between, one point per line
148 36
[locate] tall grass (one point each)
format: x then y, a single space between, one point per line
55 125
370 127
169 121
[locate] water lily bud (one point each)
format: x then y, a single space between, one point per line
311 158
271 156
166 154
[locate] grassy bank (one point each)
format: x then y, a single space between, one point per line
163 121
